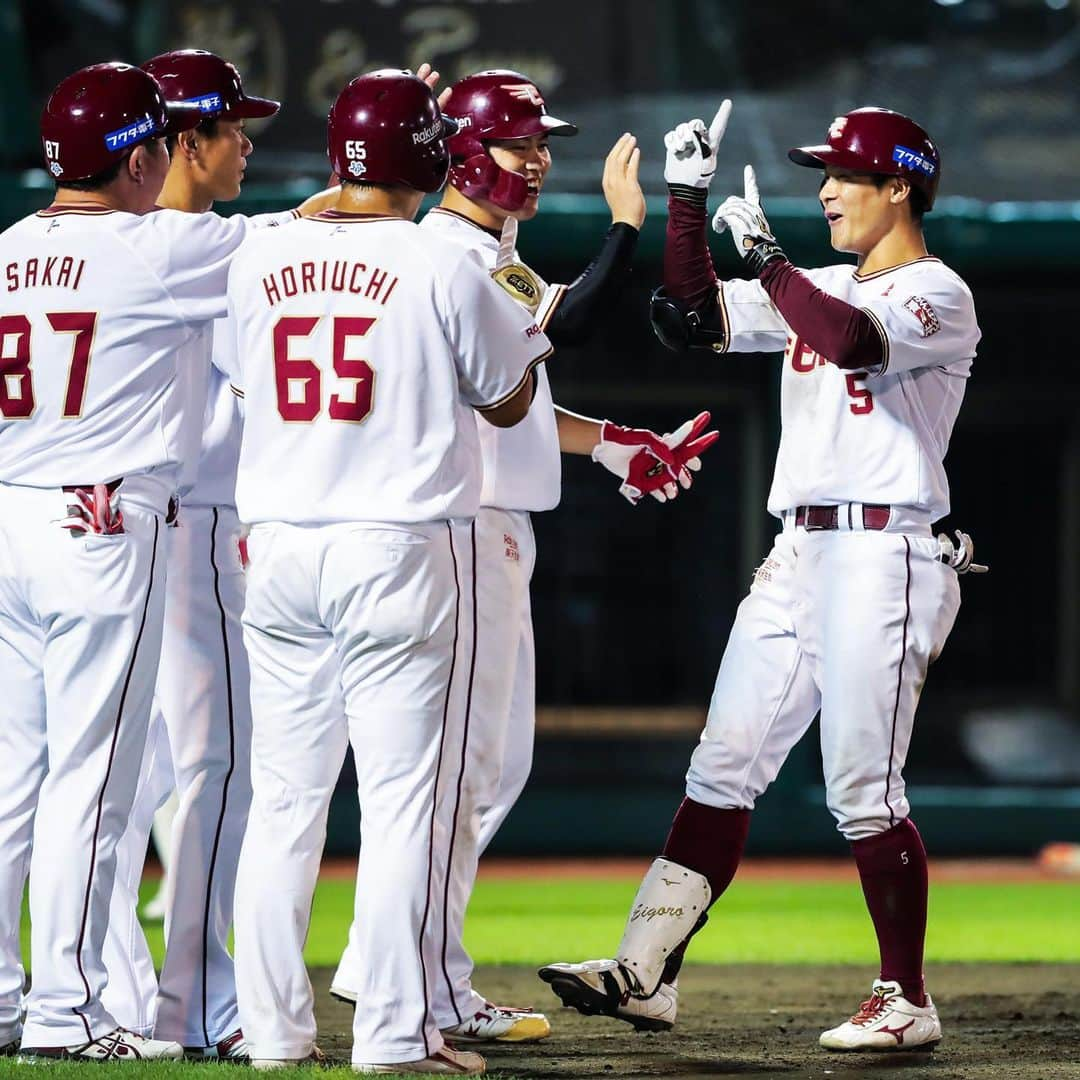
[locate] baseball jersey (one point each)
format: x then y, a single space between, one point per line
362 345
867 436
211 414
98 306
522 464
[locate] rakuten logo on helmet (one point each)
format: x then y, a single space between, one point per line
524 92
425 135
912 159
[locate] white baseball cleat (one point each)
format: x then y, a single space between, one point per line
118 1045
500 1023
606 988
887 1021
232 1047
445 1062
154 908
316 1057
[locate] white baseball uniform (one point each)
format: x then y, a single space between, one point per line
97 307
364 344
852 603
522 474
204 708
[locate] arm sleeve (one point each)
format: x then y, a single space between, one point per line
688 267
846 336
572 313
197 250
495 342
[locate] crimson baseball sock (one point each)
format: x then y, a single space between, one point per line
710 842
892 867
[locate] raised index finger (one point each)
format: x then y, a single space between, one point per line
750 183
719 123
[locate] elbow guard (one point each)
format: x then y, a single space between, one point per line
680 328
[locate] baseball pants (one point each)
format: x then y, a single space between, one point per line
80 636
356 634
498 753
842 621
202 698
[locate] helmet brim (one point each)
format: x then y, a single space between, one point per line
552 125
817 157
180 116
253 108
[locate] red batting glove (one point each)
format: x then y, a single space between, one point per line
639 457
94 512
687 444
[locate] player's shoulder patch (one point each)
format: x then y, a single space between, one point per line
521 283
924 311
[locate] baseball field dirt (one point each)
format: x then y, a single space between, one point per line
1014 1021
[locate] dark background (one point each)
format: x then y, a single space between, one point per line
633 605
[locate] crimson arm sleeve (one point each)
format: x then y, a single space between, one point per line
846 336
689 275
594 289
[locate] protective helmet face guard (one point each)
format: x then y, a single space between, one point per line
491 106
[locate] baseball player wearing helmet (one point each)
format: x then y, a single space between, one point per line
857 596
500 158
364 345
102 299
202 709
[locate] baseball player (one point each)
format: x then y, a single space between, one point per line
202 688
857 596
364 344
500 158
101 300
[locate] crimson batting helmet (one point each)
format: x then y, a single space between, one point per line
386 128
498 104
878 141
205 79
96 115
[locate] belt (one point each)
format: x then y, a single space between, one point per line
814 518
110 487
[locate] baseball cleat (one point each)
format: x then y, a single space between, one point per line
118 1045
154 908
316 1058
232 1048
500 1023
606 988
445 1062
887 1021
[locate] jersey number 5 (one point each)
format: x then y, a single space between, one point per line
16 382
299 379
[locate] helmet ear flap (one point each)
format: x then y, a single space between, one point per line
478 177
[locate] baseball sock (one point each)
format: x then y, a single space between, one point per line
892 867
710 842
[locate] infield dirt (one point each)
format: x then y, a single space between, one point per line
1017 1022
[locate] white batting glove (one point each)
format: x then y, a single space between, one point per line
750 230
692 150
960 557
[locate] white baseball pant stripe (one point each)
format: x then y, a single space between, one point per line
355 634
203 698
81 621
492 772
842 621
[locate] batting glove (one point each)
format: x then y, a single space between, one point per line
688 444
960 557
94 511
638 457
692 150
750 230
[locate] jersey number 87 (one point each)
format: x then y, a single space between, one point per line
17 400
299 379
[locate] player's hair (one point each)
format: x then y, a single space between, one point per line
99 180
208 128
360 185
917 200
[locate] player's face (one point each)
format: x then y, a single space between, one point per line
858 211
223 158
531 158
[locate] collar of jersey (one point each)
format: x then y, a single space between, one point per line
56 209
496 233
889 269
341 215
